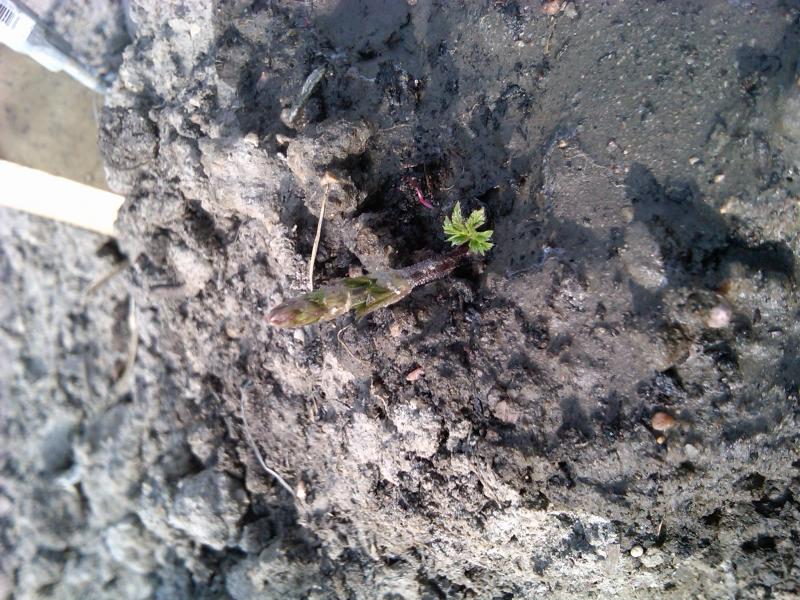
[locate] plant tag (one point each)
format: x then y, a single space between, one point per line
15 25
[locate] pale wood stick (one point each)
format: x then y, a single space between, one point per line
54 197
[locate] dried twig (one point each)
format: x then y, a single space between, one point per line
327 181
345 346
104 279
274 474
123 383
313 258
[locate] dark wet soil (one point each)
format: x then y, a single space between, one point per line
606 404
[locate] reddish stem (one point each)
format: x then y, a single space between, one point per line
412 183
436 267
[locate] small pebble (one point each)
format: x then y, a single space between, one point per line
725 287
628 214
233 331
637 551
662 421
693 160
395 329
355 271
570 10
719 178
728 205
6 586
415 374
653 558
719 317
5 508
551 7
506 412
691 452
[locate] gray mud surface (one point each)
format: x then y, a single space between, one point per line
607 404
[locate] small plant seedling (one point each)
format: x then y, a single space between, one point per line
465 231
368 293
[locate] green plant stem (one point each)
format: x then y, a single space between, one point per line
363 294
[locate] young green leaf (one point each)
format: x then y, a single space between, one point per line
460 231
476 219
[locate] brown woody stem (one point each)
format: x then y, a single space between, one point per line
436 267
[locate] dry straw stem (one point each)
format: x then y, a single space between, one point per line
326 181
251 442
345 346
314 248
104 279
125 381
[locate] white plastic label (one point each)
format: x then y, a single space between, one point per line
15 25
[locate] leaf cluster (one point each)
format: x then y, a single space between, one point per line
465 231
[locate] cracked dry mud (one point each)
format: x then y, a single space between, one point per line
494 435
